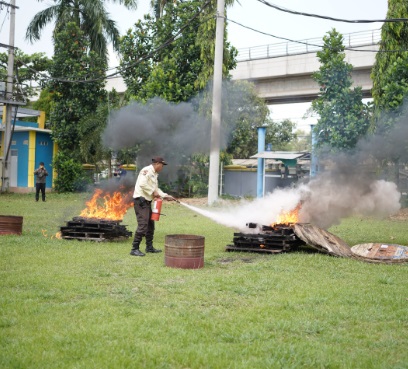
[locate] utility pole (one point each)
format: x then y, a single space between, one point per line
6 162
213 179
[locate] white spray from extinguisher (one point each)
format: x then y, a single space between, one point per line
208 214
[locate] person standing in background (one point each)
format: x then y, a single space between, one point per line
40 181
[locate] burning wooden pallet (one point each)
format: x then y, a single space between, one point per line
276 239
92 229
283 238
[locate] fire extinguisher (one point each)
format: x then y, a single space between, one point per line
157 204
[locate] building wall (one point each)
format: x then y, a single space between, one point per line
241 183
19 148
30 145
44 152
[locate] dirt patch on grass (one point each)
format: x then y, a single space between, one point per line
401 215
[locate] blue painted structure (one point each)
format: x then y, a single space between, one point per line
29 146
45 153
20 147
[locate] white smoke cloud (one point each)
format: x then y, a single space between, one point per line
324 203
263 211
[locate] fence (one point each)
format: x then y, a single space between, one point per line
310 45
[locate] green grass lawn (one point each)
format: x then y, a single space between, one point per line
73 304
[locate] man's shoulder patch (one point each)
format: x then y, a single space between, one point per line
144 172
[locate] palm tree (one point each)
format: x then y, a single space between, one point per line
90 16
158 7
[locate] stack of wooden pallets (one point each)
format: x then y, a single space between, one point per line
94 230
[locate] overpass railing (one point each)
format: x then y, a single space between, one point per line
310 45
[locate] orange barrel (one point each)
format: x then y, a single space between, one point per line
184 251
10 224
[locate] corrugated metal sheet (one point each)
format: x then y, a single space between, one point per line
284 155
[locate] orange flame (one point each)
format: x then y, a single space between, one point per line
103 205
45 234
288 217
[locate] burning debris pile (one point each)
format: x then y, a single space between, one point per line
275 238
94 230
100 220
289 235
270 239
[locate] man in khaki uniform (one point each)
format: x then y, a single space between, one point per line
146 190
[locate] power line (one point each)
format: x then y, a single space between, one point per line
307 43
390 20
5 16
8 5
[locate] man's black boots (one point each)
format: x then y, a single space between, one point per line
149 242
150 248
135 249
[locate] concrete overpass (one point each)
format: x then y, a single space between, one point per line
282 73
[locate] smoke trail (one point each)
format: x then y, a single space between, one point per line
170 130
175 131
326 200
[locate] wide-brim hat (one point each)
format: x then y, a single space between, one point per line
159 159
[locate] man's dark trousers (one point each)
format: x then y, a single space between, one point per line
145 226
39 187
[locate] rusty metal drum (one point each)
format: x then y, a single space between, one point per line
184 251
11 224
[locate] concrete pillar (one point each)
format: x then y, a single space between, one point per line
213 180
314 165
261 162
41 120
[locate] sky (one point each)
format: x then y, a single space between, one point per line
250 13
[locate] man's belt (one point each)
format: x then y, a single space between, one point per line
142 199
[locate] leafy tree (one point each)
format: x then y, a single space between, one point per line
90 129
242 112
158 7
206 42
28 69
72 101
44 103
153 65
300 142
343 117
245 137
390 89
90 16
390 72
